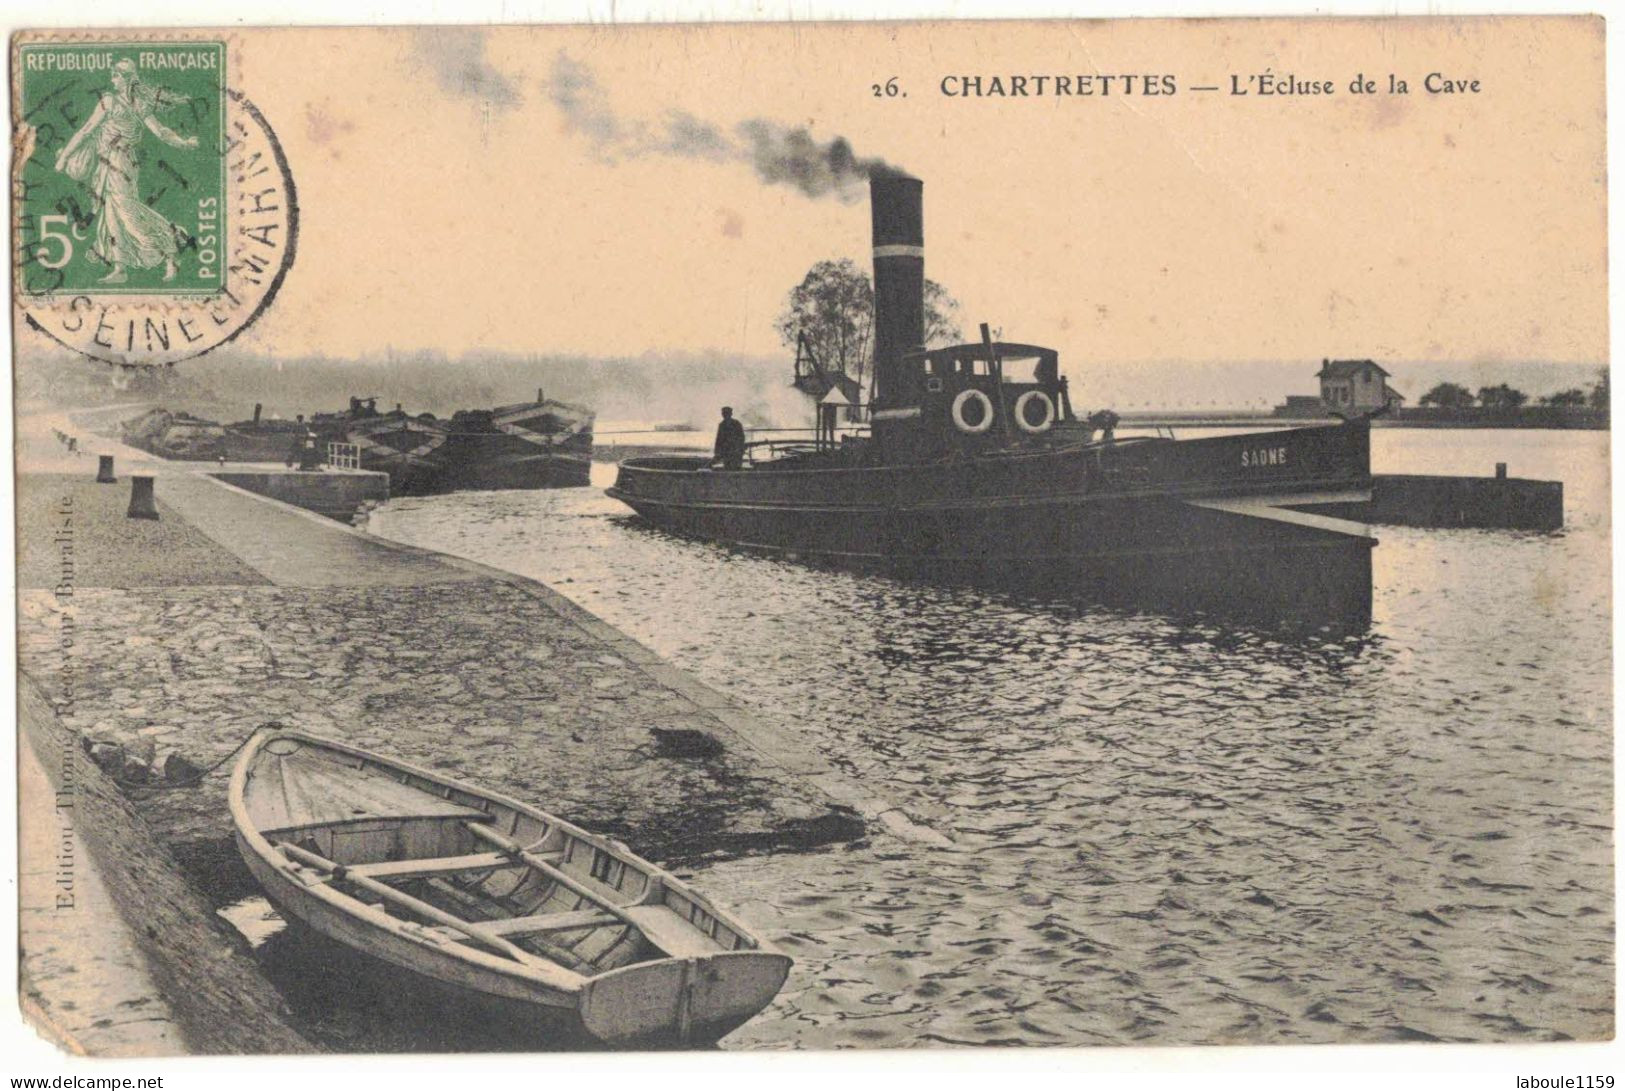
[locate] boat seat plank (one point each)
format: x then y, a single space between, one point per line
671 933
439 865
403 900
548 922
266 790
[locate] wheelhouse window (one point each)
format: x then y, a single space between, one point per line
1021 369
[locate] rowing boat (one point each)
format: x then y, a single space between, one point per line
512 909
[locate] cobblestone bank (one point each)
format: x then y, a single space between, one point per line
473 676
213 990
165 644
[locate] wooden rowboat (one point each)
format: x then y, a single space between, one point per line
521 913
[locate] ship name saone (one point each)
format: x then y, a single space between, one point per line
1263 456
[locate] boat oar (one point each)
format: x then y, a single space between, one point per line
518 852
406 901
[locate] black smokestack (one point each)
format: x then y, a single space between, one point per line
896 207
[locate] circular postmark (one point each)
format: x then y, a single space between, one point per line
156 216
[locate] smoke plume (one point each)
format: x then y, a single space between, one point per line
456 56
781 155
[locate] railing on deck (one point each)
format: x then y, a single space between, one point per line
344 456
766 450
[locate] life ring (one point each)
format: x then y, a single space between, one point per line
966 397
1043 425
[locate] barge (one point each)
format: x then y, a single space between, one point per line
544 444
410 449
532 445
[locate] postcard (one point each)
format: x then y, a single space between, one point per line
813 536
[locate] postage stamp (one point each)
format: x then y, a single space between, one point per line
154 212
125 182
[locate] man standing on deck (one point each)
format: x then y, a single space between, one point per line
730 448
303 453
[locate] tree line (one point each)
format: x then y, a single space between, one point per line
833 310
1502 398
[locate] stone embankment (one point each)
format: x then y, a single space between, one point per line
231 612
151 649
120 955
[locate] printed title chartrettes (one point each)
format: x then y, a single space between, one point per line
1263 84
1035 86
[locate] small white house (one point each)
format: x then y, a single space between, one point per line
1356 386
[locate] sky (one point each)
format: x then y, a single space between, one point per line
528 189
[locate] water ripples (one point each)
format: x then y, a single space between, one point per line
1166 830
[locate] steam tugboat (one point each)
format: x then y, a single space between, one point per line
976 468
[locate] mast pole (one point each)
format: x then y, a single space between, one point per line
995 368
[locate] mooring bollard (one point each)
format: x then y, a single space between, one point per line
104 470
1501 470
142 504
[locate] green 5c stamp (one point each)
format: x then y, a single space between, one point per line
154 212
132 134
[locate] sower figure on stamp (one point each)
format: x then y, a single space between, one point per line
730 447
105 154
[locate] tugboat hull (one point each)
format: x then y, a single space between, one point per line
1194 522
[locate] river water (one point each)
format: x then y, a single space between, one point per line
1166 830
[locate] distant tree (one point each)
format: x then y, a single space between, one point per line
834 308
1564 398
1501 396
1599 390
1448 396
941 315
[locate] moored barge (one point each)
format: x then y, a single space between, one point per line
532 445
410 449
543 444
